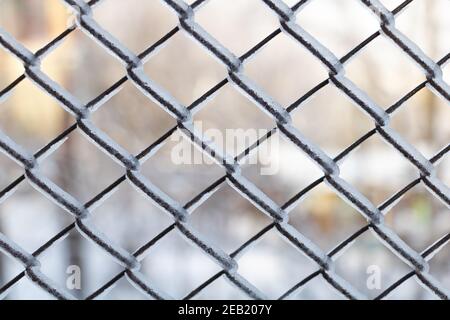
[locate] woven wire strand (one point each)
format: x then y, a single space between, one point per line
183 115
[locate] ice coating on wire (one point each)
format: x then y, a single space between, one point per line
183 115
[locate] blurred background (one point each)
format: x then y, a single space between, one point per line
286 71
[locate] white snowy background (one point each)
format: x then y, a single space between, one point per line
286 71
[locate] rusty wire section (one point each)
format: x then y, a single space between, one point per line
418 261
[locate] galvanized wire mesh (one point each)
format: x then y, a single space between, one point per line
418 261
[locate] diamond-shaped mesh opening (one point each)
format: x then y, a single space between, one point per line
11 172
284 78
439 264
369 68
427 29
62 259
195 170
124 20
123 290
316 289
443 170
117 220
268 265
335 113
331 22
44 21
390 166
117 118
230 134
367 257
47 218
279 169
221 289
412 290
419 218
221 214
174 261
230 223
421 119
325 219
10 268
184 69
30 116
66 65
77 160
224 19
11 69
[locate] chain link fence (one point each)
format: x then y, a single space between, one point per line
181 213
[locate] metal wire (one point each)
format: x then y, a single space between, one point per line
184 114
